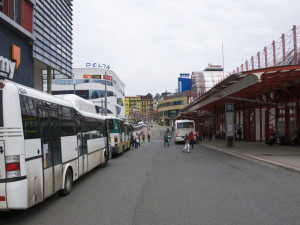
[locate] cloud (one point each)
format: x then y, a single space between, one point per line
148 43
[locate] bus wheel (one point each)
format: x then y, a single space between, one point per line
68 184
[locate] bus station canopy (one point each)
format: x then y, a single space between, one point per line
247 86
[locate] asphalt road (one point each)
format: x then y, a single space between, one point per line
158 185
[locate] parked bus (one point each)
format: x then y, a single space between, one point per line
183 127
120 133
46 143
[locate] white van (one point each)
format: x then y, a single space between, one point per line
183 127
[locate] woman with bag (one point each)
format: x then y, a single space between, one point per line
187 144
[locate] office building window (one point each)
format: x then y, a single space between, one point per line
14 10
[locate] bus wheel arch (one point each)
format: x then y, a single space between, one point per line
67 181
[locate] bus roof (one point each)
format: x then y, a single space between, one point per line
79 103
83 106
30 92
182 121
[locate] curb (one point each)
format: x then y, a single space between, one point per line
247 156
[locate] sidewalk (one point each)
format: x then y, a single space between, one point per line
283 156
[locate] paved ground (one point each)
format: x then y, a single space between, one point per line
159 185
285 156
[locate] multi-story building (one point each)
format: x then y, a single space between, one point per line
133 108
170 105
184 82
89 83
16 41
35 35
52 49
147 106
138 107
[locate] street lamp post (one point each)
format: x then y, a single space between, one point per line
105 96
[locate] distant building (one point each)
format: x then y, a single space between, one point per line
147 105
89 83
202 81
133 108
184 82
170 105
136 107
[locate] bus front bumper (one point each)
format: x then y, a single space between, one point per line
179 138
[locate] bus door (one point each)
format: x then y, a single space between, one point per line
81 147
51 148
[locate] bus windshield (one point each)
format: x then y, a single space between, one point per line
185 125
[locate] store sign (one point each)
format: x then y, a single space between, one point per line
87 76
214 66
184 75
7 67
97 65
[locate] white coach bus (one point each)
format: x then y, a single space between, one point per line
46 143
183 127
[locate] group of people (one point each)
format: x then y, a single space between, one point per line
276 137
189 142
136 139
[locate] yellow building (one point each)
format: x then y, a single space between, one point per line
136 107
170 106
132 108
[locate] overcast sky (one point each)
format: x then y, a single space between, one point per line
149 43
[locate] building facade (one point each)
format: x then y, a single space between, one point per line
203 81
171 105
184 82
35 35
89 83
52 50
16 41
138 107
147 106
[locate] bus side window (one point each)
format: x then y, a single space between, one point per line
29 117
66 119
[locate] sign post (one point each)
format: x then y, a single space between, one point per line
229 110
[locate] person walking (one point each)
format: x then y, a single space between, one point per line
137 143
191 139
239 132
166 138
187 144
148 137
143 137
210 133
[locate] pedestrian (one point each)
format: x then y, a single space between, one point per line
191 139
143 137
166 138
134 141
131 141
204 135
148 137
200 135
139 140
137 143
210 133
187 144
239 132
273 137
